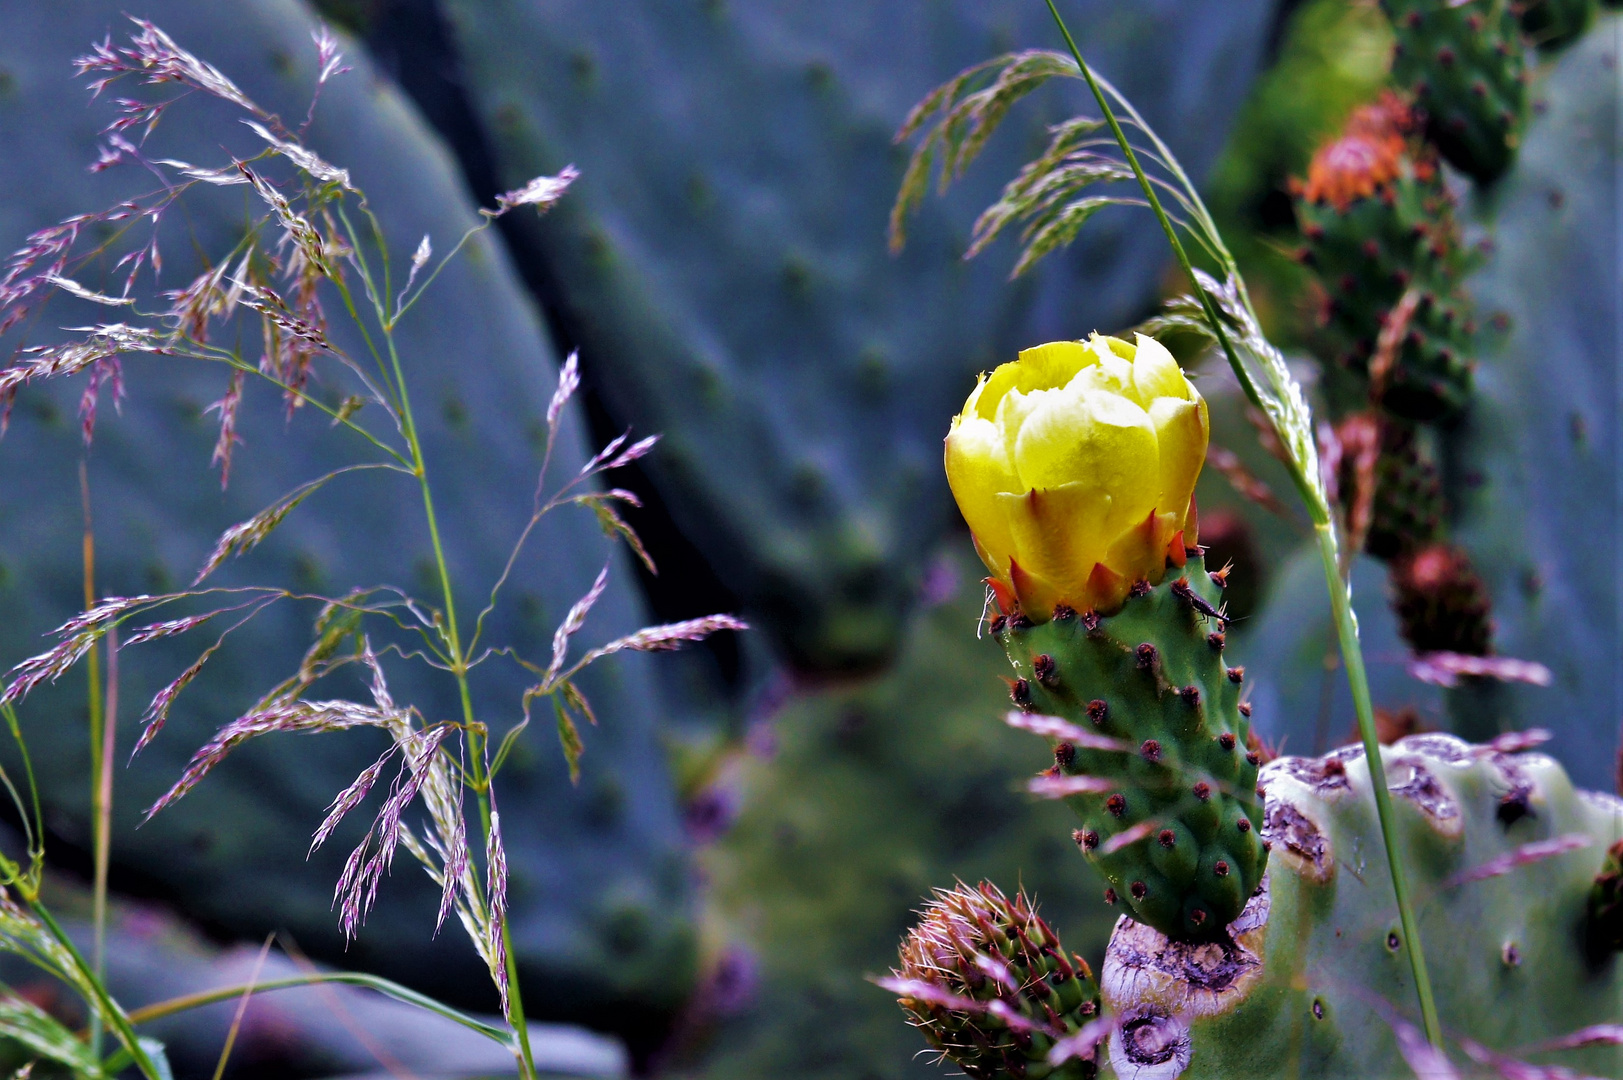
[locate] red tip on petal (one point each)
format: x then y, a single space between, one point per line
1106 586
1176 551
1002 593
1148 529
1024 586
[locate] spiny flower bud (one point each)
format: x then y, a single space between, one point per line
991 988
1074 466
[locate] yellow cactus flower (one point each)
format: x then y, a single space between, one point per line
1075 466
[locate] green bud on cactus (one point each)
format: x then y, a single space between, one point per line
1441 603
988 983
1466 67
1150 746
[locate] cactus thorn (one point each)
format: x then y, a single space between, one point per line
1140 588
1244 824
1236 674
1151 749
1216 640
1064 612
1139 890
1147 656
1087 839
1203 791
1020 693
1167 838
1221 869
1098 711
1043 667
1065 755
1245 709
1226 740
1110 896
1190 694
1117 805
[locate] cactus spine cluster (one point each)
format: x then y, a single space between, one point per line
991 987
1155 741
1310 981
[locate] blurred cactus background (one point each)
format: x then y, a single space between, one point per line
1423 196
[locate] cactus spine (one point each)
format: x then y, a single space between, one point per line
1170 814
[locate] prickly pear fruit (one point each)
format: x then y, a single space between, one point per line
1152 736
1312 979
1606 902
1466 67
990 986
1441 603
1379 224
1552 24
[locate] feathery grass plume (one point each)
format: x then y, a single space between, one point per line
300 256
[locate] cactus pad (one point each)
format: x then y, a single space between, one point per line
988 983
1176 831
1311 981
1466 67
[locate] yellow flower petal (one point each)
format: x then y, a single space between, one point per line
978 471
1182 431
1156 374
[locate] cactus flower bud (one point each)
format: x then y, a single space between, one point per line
1075 466
991 987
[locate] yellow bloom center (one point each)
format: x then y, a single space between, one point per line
1074 466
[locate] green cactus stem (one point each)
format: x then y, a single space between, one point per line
988 983
1465 65
1380 232
1151 750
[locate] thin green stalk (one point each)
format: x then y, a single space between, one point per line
459 669
158 1010
1353 656
98 902
1324 529
111 1014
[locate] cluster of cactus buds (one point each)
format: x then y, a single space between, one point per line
988 983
